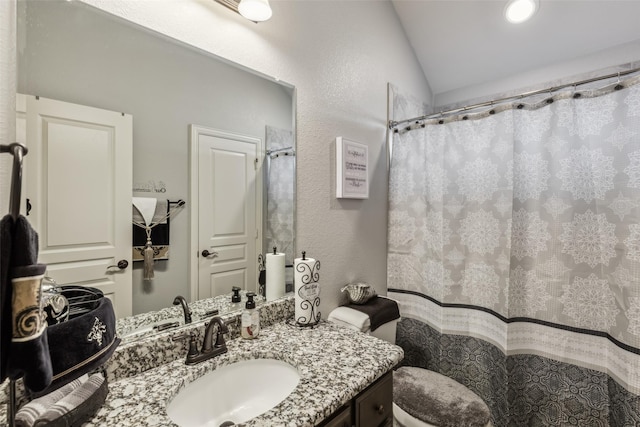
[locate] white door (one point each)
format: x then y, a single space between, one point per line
79 175
227 211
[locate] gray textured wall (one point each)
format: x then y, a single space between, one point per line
340 55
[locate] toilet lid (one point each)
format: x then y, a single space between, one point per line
437 399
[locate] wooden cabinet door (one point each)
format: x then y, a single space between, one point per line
374 407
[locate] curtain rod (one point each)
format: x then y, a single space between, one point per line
393 124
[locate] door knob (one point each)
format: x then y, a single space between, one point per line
207 254
122 264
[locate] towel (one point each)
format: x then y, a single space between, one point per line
30 412
146 207
353 319
159 233
78 406
28 355
6 322
379 309
91 335
69 405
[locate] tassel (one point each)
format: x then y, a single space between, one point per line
148 258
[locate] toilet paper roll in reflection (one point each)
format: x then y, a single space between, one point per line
275 275
307 290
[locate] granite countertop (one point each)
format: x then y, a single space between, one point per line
334 362
133 328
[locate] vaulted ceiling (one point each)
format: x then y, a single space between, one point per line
462 43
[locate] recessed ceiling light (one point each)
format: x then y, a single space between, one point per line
518 11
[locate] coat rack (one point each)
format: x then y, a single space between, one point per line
18 151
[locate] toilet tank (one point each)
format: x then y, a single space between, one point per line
387 331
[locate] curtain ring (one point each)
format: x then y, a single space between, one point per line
576 94
618 85
549 100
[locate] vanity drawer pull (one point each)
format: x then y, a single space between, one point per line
380 409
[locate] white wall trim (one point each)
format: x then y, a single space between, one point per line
7 94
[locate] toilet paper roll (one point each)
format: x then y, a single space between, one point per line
307 291
275 276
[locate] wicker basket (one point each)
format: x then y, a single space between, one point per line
359 293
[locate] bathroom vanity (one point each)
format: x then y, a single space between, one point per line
345 376
371 407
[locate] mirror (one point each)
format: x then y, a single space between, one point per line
73 52
131 329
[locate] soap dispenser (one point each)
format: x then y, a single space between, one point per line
235 298
250 319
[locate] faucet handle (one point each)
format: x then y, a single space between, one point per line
179 337
193 343
222 329
193 346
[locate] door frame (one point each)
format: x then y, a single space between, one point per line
194 170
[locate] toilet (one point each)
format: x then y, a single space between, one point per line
421 398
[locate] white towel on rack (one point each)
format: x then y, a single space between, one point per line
146 206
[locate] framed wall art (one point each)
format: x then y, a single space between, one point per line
352 169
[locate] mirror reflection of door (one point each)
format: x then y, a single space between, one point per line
79 190
163 95
224 179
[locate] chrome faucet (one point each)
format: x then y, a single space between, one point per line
209 348
185 308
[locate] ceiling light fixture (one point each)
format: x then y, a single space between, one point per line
253 10
518 11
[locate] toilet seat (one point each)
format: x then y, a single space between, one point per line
403 419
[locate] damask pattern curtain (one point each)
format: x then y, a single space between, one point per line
521 227
280 193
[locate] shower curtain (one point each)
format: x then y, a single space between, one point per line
280 196
514 252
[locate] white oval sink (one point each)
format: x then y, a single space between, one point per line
234 393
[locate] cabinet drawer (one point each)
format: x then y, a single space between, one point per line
341 418
374 406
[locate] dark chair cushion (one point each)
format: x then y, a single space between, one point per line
437 399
